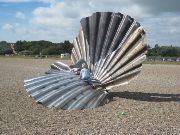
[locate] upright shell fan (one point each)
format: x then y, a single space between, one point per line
112 44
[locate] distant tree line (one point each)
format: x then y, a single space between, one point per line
43 47
5 48
36 47
49 48
164 51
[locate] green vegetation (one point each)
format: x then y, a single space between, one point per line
42 47
164 51
36 48
5 48
156 55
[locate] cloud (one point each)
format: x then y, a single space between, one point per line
59 14
162 29
60 20
50 16
68 13
159 6
26 1
15 28
8 27
21 30
20 15
16 1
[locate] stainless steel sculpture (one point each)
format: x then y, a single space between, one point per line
114 47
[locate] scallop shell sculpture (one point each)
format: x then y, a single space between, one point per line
112 45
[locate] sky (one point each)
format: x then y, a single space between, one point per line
59 20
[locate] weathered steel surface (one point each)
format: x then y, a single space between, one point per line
114 47
64 90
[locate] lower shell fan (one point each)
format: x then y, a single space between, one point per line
112 45
64 90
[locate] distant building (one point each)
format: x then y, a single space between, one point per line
12 47
25 52
178 60
65 55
